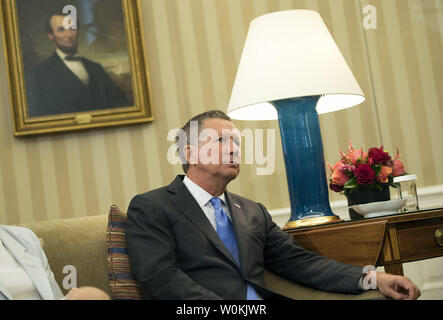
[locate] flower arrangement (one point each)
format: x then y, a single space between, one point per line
358 169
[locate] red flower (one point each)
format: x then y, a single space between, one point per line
364 174
335 188
379 156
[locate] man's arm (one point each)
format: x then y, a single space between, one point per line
152 253
288 259
285 257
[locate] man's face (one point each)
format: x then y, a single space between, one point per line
218 150
65 39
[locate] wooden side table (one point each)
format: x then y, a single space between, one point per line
386 241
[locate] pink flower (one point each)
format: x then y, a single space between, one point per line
353 155
383 176
338 175
397 168
339 178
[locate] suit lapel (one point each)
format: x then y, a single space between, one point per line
185 202
30 263
67 73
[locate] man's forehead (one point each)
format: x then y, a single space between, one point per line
57 20
218 124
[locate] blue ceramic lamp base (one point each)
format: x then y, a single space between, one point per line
304 161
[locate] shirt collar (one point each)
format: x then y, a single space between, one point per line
63 55
200 195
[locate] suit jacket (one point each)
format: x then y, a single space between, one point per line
24 245
175 253
54 89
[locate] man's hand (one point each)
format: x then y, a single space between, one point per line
397 287
86 293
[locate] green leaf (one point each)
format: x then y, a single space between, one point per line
377 169
351 183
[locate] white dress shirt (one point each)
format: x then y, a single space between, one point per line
203 199
14 277
76 67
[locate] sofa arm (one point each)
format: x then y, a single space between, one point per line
79 242
296 291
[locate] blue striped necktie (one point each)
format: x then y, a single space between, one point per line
226 233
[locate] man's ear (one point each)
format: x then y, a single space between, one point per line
187 153
50 36
191 154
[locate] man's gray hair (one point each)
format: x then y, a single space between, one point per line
186 132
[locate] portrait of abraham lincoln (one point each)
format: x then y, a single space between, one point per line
75 56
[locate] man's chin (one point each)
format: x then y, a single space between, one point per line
68 50
234 171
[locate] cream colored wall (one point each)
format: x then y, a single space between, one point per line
193 49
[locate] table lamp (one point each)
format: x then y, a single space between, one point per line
292 70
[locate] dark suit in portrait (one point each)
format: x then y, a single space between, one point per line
175 253
54 89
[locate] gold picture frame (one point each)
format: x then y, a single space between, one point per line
38 106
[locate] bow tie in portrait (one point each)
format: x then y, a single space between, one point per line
73 58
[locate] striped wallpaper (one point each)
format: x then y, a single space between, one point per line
193 49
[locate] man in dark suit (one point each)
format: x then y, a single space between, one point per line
67 83
180 247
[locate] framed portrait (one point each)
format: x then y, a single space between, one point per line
75 64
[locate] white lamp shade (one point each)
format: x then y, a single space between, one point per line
290 54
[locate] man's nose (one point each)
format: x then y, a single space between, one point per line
234 148
71 33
